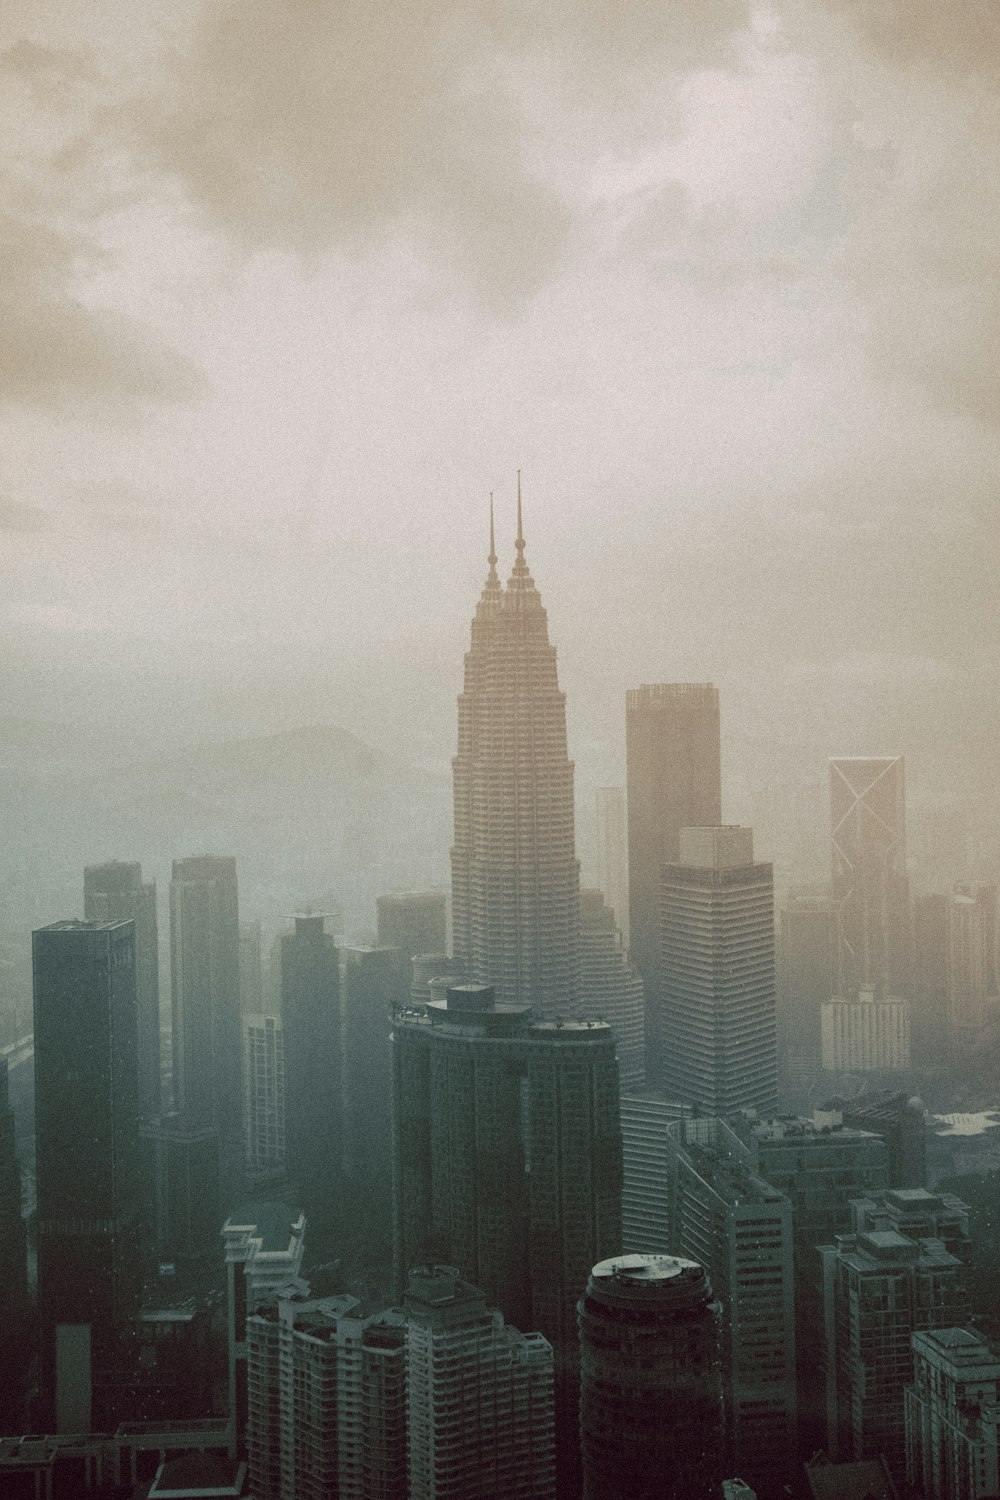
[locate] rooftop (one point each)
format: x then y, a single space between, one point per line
275 1224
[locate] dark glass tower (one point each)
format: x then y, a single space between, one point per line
651 1411
13 1273
115 892
87 1170
515 875
310 1007
205 995
674 770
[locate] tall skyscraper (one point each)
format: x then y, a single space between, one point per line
646 1153
311 1022
413 921
515 875
651 1414
507 1153
808 954
14 1344
868 825
717 974
205 994
674 771
115 892
87 1164
370 979
953 1416
264 1097
734 1223
479 1395
251 969
610 988
612 854
879 1290
971 959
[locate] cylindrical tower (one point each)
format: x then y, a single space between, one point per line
651 1422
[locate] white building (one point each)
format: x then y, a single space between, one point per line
953 1416
264 1096
866 1035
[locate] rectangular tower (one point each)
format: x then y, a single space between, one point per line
868 827
264 1097
88 1165
115 892
310 1011
205 994
674 771
717 968
953 1416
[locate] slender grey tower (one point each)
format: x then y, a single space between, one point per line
115 892
515 875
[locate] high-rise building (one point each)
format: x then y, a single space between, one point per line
610 988
182 1177
729 1219
651 1414
808 953
899 1120
674 775
879 1289
326 1399
717 974
13 1273
370 985
311 1023
205 994
115 892
480 1416
867 820
971 959
88 1172
515 875
413 921
612 854
953 1416
251 969
264 1097
263 1244
646 1120
920 1215
866 1034
507 1153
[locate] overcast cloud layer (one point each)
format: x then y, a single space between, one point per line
290 287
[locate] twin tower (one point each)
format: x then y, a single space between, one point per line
515 874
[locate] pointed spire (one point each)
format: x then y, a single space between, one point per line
519 544
492 559
521 586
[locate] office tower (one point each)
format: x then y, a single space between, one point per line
899 1120
413 921
370 979
610 988
820 1166
612 854
310 1018
507 1153
429 966
866 1034
646 1119
920 1215
971 960
479 1395
729 1219
205 995
674 781
88 1173
808 952
515 876
263 1245
327 1399
867 822
878 1290
717 974
114 892
650 1381
953 1416
182 1174
264 1096
251 969
930 1033
14 1343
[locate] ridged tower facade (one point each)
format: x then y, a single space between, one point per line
515 875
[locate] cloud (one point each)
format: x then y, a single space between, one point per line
18 516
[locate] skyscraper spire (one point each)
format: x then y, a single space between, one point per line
519 544
521 586
492 559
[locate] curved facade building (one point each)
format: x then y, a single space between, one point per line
651 1423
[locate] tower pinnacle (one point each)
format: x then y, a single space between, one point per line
519 544
492 559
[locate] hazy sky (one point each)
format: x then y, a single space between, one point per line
289 286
